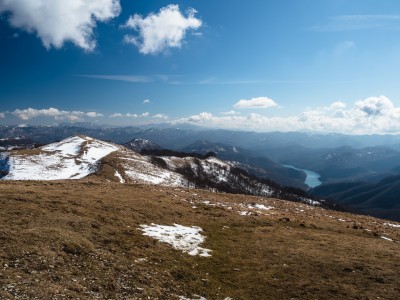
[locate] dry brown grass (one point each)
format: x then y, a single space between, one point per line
80 239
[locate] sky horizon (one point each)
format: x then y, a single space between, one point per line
327 66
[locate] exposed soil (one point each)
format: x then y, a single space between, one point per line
80 240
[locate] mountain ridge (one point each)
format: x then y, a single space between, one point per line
80 156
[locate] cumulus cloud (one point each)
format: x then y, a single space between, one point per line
130 115
160 116
260 102
202 117
116 115
373 115
158 32
56 22
93 114
59 115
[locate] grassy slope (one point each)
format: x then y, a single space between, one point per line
80 239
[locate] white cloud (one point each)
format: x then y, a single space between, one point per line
373 115
129 115
2 115
60 115
93 114
116 115
160 116
146 101
158 32
202 117
260 102
56 22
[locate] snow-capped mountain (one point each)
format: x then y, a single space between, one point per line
72 158
139 144
80 156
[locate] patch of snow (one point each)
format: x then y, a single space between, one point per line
386 238
392 225
122 180
67 147
216 161
261 206
311 202
187 239
197 297
244 213
139 168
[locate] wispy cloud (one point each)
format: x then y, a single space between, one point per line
59 115
168 79
128 78
2 115
229 113
359 22
217 81
146 101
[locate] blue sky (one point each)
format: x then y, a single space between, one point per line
306 65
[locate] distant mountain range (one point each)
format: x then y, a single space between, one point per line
380 199
177 136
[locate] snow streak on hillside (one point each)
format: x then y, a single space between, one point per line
72 158
139 169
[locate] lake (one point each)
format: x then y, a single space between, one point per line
312 178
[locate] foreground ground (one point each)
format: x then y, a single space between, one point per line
81 240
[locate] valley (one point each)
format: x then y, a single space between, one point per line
312 178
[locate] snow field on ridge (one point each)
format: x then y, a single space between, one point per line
72 158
